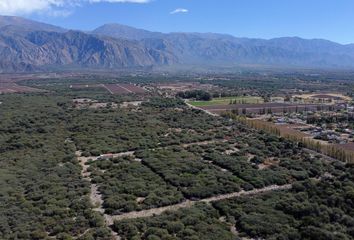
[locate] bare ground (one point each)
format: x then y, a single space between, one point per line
95 196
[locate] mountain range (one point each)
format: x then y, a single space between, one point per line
27 45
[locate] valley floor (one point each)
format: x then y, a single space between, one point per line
158 170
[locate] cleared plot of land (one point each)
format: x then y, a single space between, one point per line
227 100
132 88
84 103
120 88
14 88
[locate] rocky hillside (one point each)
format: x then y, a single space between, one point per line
40 50
27 45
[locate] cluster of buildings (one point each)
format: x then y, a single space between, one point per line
340 132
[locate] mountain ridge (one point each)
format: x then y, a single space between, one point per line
27 45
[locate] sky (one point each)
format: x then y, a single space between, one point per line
327 19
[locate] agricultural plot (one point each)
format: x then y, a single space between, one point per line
174 88
113 88
132 88
15 88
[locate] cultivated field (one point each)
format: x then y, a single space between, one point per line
113 88
14 88
184 86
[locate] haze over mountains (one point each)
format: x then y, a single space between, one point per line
27 45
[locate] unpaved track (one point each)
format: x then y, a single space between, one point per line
109 90
126 89
84 160
188 203
96 199
95 196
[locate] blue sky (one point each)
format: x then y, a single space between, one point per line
328 19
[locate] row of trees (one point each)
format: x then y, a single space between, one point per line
335 151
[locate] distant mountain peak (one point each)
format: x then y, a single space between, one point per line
28 25
122 31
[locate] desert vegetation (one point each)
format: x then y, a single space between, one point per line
205 177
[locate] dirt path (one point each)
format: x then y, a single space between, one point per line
109 90
84 160
96 199
126 89
188 203
95 196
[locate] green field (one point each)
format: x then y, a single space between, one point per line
226 100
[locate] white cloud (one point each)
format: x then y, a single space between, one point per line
179 10
16 7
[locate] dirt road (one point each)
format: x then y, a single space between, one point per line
188 203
